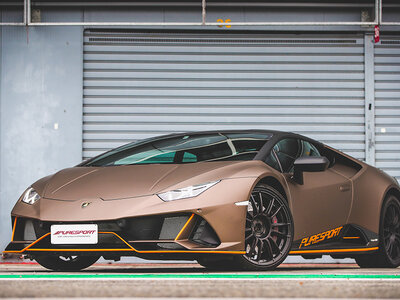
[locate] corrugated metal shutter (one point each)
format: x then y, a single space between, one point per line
387 105
141 85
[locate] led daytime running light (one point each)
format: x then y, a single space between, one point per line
187 192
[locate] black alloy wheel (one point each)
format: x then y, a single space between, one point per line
269 229
388 255
391 231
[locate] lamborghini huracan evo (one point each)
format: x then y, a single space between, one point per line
228 199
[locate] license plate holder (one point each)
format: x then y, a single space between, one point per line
69 234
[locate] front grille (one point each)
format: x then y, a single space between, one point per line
130 229
142 233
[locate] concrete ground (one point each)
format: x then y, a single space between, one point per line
29 280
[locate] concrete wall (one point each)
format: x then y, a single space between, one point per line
41 88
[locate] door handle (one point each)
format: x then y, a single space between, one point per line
344 188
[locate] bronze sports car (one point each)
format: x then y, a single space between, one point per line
228 199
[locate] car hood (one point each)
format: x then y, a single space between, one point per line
119 182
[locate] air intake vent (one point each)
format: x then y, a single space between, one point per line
204 234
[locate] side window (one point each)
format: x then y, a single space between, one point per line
286 150
309 149
272 162
189 158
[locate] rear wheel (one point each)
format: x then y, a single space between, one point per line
66 263
269 230
388 255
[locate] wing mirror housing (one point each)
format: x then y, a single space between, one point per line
308 164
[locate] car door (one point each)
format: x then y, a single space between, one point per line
324 200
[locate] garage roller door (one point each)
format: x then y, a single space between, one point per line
387 105
141 85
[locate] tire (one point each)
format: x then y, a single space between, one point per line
388 255
366 261
269 230
66 263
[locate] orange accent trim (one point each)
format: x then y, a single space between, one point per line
333 250
30 245
351 237
131 248
80 250
143 251
184 226
13 231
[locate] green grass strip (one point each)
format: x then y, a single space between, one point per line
200 276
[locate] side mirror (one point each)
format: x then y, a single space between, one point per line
308 164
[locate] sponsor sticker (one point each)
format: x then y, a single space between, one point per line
74 234
320 237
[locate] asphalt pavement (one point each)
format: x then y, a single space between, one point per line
29 280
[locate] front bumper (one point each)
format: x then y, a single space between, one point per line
157 235
208 224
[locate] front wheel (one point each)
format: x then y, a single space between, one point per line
269 230
66 263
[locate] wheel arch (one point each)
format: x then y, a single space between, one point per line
275 183
392 190
278 182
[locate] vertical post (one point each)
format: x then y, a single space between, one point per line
380 12
377 10
203 12
28 12
369 87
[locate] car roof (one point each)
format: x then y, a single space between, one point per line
227 131
277 135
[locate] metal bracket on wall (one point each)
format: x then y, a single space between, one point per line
369 87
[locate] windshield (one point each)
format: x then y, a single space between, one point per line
185 149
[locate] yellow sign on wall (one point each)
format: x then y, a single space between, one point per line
227 21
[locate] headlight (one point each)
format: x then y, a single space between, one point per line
187 192
30 196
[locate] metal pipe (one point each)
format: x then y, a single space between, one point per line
28 5
12 24
390 23
201 24
203 11
380 11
